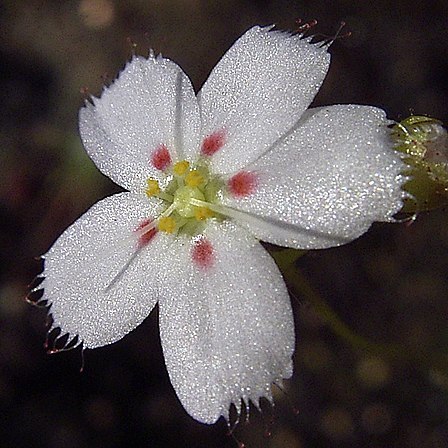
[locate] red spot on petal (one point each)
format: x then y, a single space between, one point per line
202 254
144 239
213 142
242 184
161 158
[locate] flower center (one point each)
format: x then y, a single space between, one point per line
182 200
190 197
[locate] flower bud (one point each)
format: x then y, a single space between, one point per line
424 140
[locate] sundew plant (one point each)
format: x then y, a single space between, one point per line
207 177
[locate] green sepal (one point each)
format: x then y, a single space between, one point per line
425 142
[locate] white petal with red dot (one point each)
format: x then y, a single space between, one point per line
149 107
257 92
326 182
81 266
226 323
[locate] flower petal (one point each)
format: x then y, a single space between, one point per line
258 91
86 297
226 323
326 182
150 106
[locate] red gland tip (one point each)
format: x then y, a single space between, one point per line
202 254
242 184
213 142
147 237
161 158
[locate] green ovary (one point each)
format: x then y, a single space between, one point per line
182 198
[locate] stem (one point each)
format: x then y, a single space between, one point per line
300 286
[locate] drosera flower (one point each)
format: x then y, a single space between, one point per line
208 176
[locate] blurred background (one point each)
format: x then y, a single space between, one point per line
390 286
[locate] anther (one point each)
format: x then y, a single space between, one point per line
152 188
180 168
194 179
202 213
167 224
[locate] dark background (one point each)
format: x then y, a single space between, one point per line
390 286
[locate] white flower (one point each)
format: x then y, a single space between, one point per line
207 177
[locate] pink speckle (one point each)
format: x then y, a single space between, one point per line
161 158
213 142
242 184
144 239
202 253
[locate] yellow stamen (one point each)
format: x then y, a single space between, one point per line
202 213
152 188
167 224
193 179
181 167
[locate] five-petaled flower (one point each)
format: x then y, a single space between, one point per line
208 176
